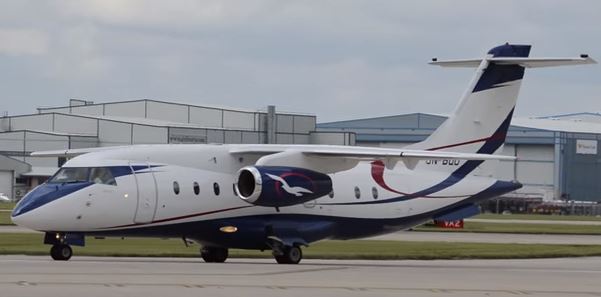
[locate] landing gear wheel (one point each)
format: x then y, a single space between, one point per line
214 254
290 255
61 252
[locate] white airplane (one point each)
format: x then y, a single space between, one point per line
4 198
283 197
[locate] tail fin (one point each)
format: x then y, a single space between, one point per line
480 121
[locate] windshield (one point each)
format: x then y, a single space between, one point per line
97 175
70 175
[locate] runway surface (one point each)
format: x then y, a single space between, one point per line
149 277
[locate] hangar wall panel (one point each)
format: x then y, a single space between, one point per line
40 122
582 168
215 136
112 133
167 112
206 117
83 142
238 120
187 135
93 110
12 141
45 142
125 109
233 137
75 124
282 138
42 161
301 139
149 135
250 137
537 173
284 123
304 124
536 152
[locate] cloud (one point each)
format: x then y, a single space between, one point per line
18 42
338 59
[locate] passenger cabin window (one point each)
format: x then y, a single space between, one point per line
216 189
97 175
176 188
374 192
196 188
357 193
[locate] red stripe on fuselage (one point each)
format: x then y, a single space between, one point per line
180 217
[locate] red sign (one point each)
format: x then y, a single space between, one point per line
457 224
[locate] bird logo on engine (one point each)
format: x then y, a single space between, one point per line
296 191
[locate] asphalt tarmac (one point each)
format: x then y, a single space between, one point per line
149 277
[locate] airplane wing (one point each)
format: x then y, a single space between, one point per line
364 153
330 159
72 152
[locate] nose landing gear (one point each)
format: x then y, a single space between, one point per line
61 252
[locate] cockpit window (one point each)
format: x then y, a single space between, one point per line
102 175
70 175
98 175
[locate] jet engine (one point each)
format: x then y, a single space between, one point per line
278 186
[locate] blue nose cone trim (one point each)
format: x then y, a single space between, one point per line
45 194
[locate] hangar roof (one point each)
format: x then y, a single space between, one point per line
416 126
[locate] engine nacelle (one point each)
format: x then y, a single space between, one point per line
279 186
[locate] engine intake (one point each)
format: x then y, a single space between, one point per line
278 186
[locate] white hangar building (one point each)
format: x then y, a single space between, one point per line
85 124
558 156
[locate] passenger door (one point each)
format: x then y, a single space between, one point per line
147 193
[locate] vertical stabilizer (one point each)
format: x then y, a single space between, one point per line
480 121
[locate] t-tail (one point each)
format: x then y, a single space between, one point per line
480 121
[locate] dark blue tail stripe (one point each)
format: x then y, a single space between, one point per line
496 75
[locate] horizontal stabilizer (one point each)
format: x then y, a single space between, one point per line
524 62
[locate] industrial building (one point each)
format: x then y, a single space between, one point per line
84 124
557 156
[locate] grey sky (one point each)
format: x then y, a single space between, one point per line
337 59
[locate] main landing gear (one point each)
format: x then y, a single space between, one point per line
61 252
288 255
284 253
214 254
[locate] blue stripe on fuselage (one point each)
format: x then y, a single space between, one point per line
46 193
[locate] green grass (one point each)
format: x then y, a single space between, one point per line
491 216
5 218
31 244
519 228
8 205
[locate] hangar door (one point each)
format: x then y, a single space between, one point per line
6 183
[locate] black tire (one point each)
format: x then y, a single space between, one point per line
214 254
291 255
61 252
